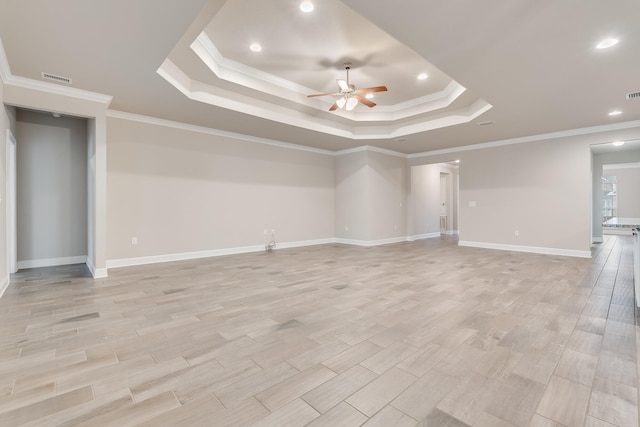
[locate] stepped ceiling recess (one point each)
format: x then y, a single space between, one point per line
495 69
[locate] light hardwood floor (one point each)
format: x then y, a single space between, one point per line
411 334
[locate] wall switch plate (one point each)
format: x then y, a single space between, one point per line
516 233
472 204
134 240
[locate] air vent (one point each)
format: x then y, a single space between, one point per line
633 95
487 123
55 78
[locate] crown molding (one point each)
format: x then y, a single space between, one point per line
216 132
532 138
5 70
370 148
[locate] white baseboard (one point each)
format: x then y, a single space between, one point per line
597 240
52 262
155 259
530 249
4 285
425 236
369 243
96 273
451 232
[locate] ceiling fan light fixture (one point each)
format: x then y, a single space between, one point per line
341 102
369 96
351 103
306 6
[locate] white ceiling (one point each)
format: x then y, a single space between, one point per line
531 67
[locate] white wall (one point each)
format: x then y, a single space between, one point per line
180 191
51 189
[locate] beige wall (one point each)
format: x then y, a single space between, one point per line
180 191
387 183
352 212
370 197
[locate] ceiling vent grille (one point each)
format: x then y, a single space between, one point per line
487 123
55 78
633 95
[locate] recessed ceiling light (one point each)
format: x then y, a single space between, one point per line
422 76
255 47
606 43
369 96
615 113
457 161
306 6
618 143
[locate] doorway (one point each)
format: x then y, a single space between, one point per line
51 190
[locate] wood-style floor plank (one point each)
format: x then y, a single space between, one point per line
421 333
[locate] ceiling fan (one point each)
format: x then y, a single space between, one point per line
350 96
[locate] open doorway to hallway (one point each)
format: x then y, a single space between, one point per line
434 192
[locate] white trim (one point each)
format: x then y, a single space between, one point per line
52 262
5 70
451 232
156 259
96 273
529 249
531 138
369 243
370 148
425 236
226 69
619 231
4 285
597 240
53 88
210 131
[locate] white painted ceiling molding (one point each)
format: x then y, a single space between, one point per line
216 132
531 138
614 166
259 80
283 113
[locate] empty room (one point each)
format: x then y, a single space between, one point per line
319 213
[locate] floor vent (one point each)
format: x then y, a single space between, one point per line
55 78
633 95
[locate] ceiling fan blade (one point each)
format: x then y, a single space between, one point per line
323 94
371 90
343 84
365 102
334 106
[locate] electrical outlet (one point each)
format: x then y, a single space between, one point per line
346 228
266 231
516 233
134 240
